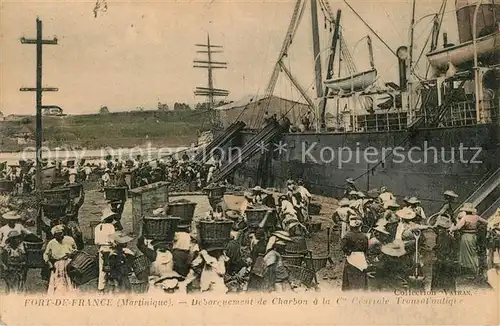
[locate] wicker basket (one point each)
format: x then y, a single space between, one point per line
295 260
75 190
57 184
314 226
34 253
54 209
6 185
185 210
139 286
255 216
160 227
316 263
60 194
301 274
297 246
215 192
115 193
314 208
83 268
140 266
214 233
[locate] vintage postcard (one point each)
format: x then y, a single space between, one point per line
220 162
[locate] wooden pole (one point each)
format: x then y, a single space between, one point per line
39 42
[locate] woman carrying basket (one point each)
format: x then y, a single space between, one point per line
13 262
276 276
57 255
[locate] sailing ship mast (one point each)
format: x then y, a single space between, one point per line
210 92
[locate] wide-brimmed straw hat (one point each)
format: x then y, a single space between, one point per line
57 229
106 214
344 202
443 221
258 188
12 215
406 214
283 235
468 208
120 238
391 204
381 228
413 200
450 193
394 249
349 180
13 234
170 275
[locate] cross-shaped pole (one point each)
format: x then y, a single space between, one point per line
39 41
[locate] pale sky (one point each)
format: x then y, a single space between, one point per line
141 52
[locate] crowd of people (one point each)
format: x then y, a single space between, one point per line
379 237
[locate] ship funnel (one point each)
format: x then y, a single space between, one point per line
402 53
486 20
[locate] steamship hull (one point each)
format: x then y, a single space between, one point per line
415 170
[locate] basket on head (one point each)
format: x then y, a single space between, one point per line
54 209
215 192
160 227
184 210
115 193
59 194
75 190
255 216
214 233
301 274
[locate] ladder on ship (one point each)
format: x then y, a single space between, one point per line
252 147
490 185
219 142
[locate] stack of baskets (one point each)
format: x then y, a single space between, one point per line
54 208
214 233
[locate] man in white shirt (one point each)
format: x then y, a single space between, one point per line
105 178
385 195
103 238
13 223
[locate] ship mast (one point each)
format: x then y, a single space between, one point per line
410 65
317 60
210 92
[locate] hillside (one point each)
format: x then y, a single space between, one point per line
118 129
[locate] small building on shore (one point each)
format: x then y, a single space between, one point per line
24 136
